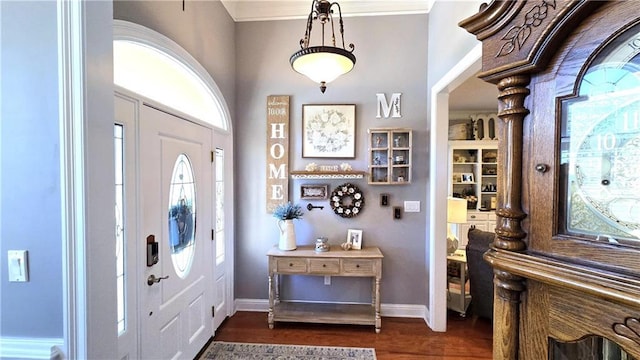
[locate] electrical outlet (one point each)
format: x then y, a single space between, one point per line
327 280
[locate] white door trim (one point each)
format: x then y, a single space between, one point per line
225 142
72 131
470 64
85 102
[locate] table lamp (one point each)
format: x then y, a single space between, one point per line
456 214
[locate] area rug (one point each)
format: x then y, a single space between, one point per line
231 350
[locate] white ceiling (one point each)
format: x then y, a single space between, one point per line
257 10
473 95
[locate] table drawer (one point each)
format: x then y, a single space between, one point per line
481 216
291 265
324 266
477 216
359 267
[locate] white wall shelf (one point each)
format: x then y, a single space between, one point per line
322 175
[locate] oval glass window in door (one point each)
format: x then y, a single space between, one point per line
182 216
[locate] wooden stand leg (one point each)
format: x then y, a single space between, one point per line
377 306
271 301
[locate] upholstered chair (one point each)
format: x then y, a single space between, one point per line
480 273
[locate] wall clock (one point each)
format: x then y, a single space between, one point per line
600 148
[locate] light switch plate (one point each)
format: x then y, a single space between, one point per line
18 265
412 206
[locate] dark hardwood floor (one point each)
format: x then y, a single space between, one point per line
400 338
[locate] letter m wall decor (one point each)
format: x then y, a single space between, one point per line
277 150
391 108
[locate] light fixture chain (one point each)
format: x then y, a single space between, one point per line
323 34
341 25
307 33
333 30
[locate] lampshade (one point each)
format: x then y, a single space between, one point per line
456 214
456 210
323 63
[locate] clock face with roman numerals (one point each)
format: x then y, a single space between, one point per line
600 148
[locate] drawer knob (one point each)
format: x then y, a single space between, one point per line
473 216
357 265
324 265
290 264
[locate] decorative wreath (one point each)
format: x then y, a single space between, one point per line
347 200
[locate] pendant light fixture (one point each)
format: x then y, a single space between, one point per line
323 63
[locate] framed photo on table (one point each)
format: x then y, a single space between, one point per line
354 237
329 131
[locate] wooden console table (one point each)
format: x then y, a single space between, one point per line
336 262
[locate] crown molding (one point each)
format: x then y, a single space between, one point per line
266 10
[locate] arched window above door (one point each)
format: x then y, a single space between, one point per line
154 66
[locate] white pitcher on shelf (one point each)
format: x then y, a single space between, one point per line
286 213
287 235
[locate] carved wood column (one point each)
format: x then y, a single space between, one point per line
509 232
511 111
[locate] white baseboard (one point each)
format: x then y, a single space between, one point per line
259 305
386 310
404 310
28 348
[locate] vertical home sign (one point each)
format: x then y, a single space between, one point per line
277 151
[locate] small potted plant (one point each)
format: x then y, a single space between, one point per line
286 213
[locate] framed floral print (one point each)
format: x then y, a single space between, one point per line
329 131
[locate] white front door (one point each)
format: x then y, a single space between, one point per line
176 212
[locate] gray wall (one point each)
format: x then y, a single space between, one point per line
30 215
248 61
446 39
30 166
391 56
30 186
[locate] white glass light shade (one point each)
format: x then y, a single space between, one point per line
322 63
456 210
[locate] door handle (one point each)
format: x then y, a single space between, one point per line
152 279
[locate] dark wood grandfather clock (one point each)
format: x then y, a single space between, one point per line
566 256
